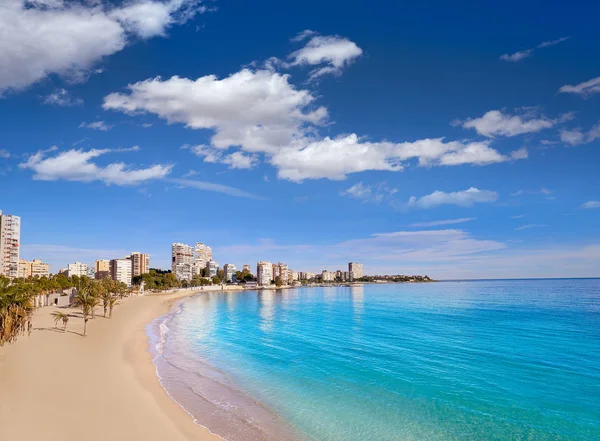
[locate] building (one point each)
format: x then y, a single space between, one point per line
230 270
182 261
39 268
90 272
292 276
102 269
120 270
203 255
305 275
355 270
327 276
24 269
212 268
247 268
10 245
140 264
264 273
77 269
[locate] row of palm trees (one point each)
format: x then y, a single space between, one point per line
18 300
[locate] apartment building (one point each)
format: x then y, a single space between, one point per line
203 255
182 261
140 264
24 269
355 270
102 269
229 270
264 273
120 270
247 268
327 276
77 269
10 244
35 268
212 268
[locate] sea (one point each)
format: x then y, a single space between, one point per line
457 360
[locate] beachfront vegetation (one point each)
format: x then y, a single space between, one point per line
61 317
16 308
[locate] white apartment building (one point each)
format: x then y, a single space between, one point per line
229 270
120 270
264 273
182 261
77 269
203 255
327 276
212 268
355 270
10 244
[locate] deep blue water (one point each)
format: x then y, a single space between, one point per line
484 360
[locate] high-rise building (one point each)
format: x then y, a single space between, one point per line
229 270
203 255
212 268
264 273
10 244
182 262
39 268
120 270
102 269
77 269
140 264
355 270
327 276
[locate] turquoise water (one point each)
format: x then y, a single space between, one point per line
483 360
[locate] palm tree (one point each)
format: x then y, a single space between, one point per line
86 301
16 309
111 303
58 316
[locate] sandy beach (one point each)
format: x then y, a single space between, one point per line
57 386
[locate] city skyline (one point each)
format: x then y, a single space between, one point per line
459 145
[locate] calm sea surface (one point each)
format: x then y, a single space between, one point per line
483 360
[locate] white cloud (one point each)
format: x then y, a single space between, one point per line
591 204
239 160
61 97
465 198
209 186
259 110
528 226
41 38
332 53
4 154
236 160
495 123
518 56
370 193
577 136
519 216
584 89
443 222
77 165
96 125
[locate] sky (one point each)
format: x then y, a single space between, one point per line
426 138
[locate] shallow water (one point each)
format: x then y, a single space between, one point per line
483 360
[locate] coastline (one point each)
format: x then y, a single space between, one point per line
62 386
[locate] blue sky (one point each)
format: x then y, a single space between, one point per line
459 142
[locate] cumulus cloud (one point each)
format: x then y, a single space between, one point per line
443 222
77 165
61 97
95 125
465 198
591 204
584 89
496 123
40 38
520 55
331 53
236 160
370 193
259 111
577 136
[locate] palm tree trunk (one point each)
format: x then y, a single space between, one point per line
105 310
85 320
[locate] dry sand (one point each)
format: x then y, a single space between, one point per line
57 386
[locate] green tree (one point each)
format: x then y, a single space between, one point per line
84 300
61 316
16 310
278 281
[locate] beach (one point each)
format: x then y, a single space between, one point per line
61 386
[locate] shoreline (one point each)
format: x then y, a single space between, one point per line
62 386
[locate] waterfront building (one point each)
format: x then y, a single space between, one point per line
182 261
77 269
305 275
102 269
203 255
264 273
327 276
140 264
247 268
39 268
292 276
120 270
212 268
355 270
10 244
229 270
